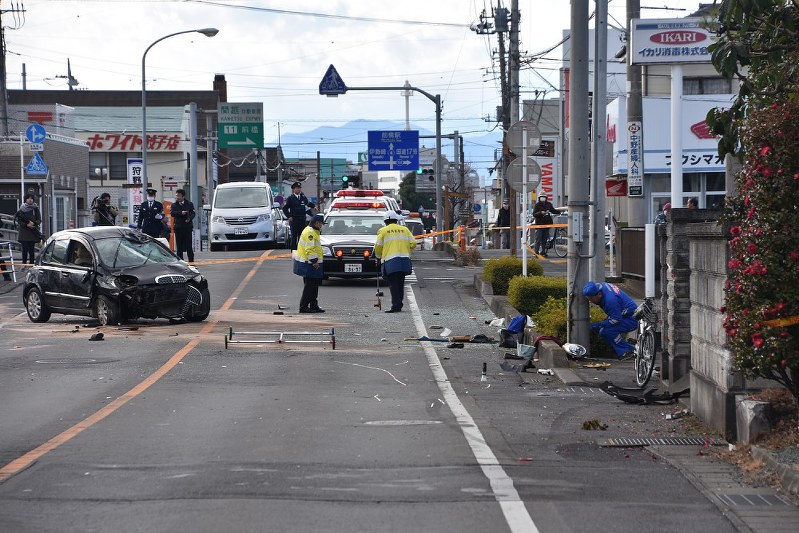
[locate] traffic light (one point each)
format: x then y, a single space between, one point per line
429 172
345 181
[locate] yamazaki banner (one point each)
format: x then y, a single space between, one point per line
131 142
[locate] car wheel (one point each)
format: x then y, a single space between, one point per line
107 311
200 313
37 309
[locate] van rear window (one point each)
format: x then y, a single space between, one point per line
237 197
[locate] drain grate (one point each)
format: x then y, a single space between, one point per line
660 441
752 500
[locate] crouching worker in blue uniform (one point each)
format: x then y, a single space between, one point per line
620 308
307 259
393 248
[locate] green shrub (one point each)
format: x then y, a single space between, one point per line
499 271
551 318
529 294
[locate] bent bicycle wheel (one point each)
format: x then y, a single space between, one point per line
644 358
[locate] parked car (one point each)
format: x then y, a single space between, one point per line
113 274
282 228
241 214
348 242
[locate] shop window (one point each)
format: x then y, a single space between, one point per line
118 166
706 86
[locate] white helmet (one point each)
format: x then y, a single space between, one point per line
392 215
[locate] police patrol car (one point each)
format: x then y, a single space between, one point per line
350 232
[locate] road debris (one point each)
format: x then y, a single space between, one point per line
97 337
546 371
676 415
593 425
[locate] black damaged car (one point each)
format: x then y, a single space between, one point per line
113 274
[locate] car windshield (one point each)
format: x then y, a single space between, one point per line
353 225
122 252
236 197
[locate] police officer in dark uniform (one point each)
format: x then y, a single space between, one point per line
183 223
296 207
150 215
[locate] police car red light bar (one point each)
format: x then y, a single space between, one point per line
358 193
359 205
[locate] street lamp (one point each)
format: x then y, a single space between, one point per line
208 32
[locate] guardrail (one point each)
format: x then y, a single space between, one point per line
8 231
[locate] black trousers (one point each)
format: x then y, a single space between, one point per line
183 243
396 285
296 229
28 251
310 293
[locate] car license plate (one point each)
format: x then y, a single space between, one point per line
352 267
241 231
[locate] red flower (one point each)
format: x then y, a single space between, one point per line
751 248
757 340
765 151
747 201
767 172
784 363
796 176
793 255
736 230
723 308
750 213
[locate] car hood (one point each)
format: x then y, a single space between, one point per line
158 272
335 240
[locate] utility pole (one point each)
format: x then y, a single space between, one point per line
577 267
513 118
598 140
18 13
635 114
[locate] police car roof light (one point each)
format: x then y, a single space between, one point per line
359 193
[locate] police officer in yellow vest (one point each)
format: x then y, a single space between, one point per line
393 249
308 264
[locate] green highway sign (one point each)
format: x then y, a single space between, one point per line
240 125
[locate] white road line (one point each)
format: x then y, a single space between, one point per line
516 514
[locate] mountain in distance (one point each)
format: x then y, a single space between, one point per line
347 140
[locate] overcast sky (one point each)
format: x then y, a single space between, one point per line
277 52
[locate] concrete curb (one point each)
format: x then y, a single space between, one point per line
789 478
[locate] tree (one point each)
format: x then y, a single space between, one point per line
759 45
412 199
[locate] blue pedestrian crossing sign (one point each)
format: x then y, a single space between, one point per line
36 167
35 133
332 84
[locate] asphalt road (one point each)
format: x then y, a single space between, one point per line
162 428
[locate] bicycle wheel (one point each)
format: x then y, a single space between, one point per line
644 358
560 242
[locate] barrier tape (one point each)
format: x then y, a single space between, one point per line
782 322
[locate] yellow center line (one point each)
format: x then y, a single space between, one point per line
65 436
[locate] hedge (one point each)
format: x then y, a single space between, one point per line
551 319
529 294
499 271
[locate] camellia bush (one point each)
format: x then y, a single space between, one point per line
762 291
758 46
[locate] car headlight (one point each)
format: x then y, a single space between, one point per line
263 218
218 219
198 278
327 251
124 281
194 269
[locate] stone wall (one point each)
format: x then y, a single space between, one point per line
695 271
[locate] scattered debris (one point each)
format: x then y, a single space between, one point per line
593 425
97 337
446 332
472 318
384 339
277 312
282 307
509 355
598 366
125 328
460 338
480 338
435 326
546 371
455 345
496 322
678 414
436 314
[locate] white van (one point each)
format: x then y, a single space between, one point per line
241 213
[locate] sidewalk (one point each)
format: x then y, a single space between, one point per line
749 508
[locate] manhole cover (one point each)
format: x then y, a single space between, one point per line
660 441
